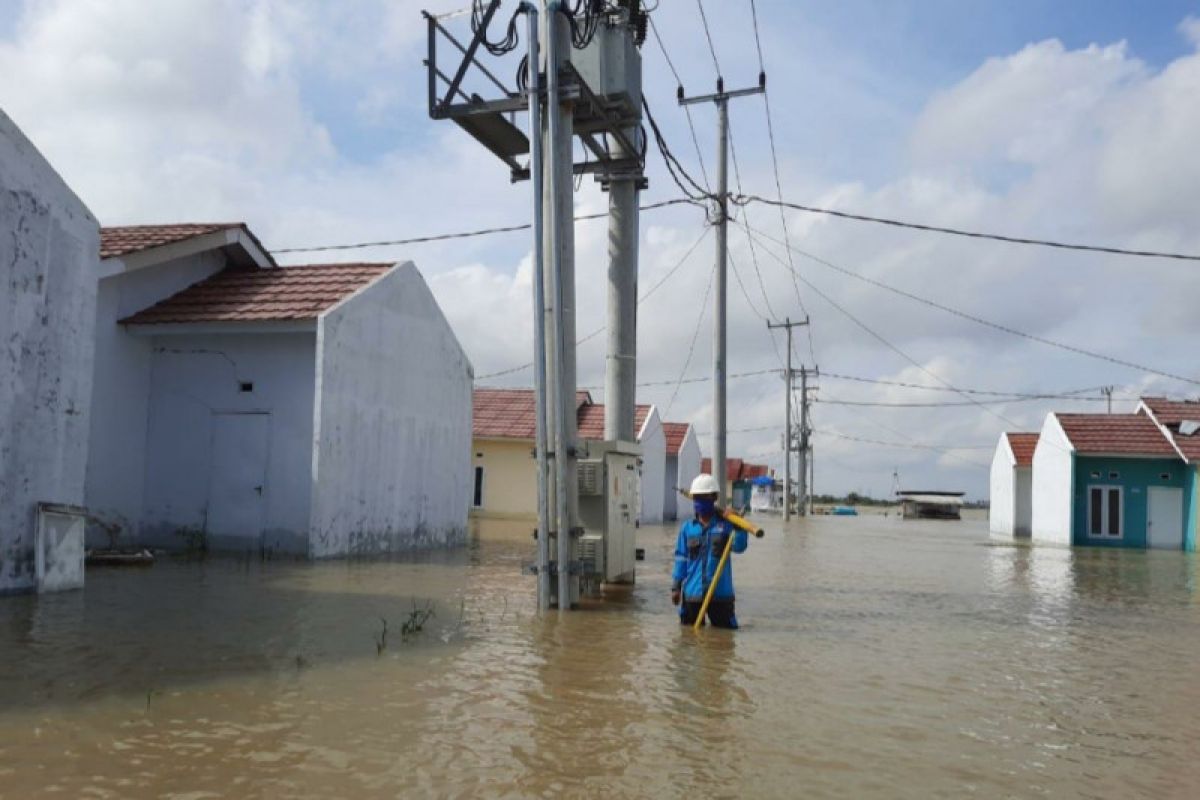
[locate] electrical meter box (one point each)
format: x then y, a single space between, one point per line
609 502
611 65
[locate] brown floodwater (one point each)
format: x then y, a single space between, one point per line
878 658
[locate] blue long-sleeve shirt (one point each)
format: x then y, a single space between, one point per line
697 553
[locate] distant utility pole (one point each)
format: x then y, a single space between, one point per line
1107 392
787 324
721 98
805 434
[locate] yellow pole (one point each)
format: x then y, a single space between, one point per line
712 587
736 520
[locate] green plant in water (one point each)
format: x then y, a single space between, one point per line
417 619
381 638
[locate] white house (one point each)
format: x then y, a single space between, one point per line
649 427
49 243
682 464
1011 507
320 410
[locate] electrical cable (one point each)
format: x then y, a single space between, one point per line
692 347
987 323
708 36
465 234
1090 248
698 193
598 331
1067 394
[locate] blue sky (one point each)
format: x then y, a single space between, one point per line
307 119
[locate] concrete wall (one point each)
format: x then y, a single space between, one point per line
1135 476
654 466
1053 485
688 468
49 254
509 478
193 379
392 462
116 467
1002 497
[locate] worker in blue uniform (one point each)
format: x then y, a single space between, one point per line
698 550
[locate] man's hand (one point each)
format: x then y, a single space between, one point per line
675 597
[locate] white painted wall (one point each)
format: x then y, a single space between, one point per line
195 377
687 468
116 465
49 257
654 467
1053 485
1002 498
392 462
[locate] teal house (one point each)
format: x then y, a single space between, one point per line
1112 480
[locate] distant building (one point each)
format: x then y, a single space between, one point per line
929 504
504 471
738 477
766 494
682 466
49 246
239 405
1011 499
1111 480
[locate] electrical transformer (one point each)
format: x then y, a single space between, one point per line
611 65
609 502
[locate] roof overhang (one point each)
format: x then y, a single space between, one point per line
241 248
226 327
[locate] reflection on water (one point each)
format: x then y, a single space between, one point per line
878 658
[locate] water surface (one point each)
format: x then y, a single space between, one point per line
879 658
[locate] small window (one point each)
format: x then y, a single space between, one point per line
479 455
1096 474
1166 476
246 387
1113 476
477 498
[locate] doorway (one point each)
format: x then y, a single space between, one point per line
237 479
1164 518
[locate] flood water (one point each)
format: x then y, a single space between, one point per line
878 658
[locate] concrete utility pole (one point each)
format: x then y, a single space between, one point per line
721 98
802 500
787 324
1107 391
559 258
620 369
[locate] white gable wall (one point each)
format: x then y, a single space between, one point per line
654 467
1053 487
49 256
392 458
195 387
1002 499
682 471
116 464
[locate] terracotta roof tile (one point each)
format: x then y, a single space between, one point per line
1023 445
591 421
125 239
734 468
675 433
511 413
1119 434
283 293
1172 412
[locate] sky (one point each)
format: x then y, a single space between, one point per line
1063 119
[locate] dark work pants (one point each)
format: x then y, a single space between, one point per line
720 613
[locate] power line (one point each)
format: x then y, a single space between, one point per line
911 445
1065 394
880 338
981 321
686 109
949 404
1091 248
695 335
708 36
674 167
697 379
465 234
601 329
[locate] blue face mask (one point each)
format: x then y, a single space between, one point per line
704 507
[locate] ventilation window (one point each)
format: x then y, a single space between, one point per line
479 455
1166 476
246 387
1096 474
1112 476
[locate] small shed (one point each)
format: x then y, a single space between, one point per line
1110 480
930 504
318 410
1011 500
682 465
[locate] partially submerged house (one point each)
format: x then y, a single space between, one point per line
1180 420
1111 480
318 410
49 245
1011 505
504 471
682 466
930 504
739 475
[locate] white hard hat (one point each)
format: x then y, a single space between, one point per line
705 484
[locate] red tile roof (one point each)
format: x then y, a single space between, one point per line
511 413
1023 445
675 433
125 239
1119 434
283 293
734 468
591 421
1172 412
